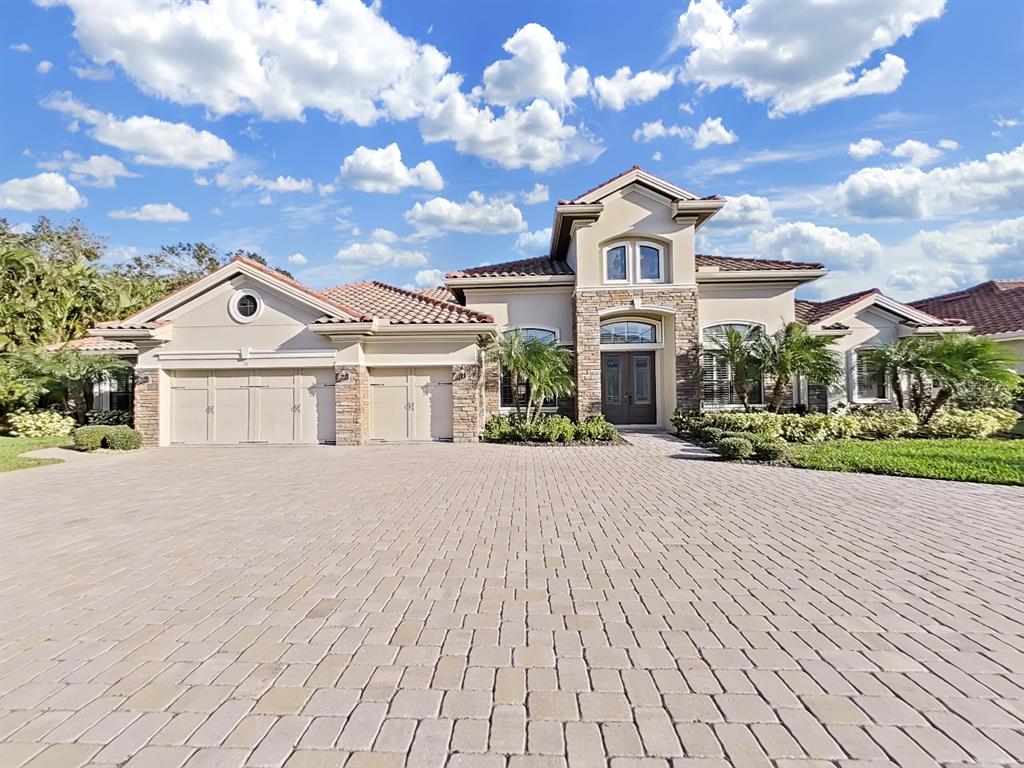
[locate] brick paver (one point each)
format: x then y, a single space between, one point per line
476 605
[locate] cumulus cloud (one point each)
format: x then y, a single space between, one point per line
381 235
382 170
742 213
865 148
711 131
908 192
43 192
624 87
534 243
994 247
94 171
535 71
379 255
297 258
916 153
280 184
44 67
20 47
344 59
425 278
776 52
478 215
93 73
161 212
152 141
539 194
804 241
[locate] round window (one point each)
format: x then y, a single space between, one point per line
247 305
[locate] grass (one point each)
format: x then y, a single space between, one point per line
975 461
11 449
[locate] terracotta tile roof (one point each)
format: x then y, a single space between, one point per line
809 312
439 292
542 266
93 344
736 264
400 306
996 306
122 325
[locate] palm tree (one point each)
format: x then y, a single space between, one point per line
735 350
549 375
792 351
901 361
954 362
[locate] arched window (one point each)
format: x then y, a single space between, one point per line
718 389
634 262
628 332
507 399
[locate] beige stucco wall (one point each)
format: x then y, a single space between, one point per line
1015 347
419 353
536 307
633 214
868 327
769 305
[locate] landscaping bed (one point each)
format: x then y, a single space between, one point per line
548 430
976 461
11 449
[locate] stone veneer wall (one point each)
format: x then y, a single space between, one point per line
467 402
491 387
351 404
587 325
147 404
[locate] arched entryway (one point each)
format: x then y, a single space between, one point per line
632 348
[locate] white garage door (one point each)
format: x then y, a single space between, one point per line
411 403
258 406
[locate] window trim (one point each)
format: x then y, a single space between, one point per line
661 261
604 263
705 405
659 336
237 296
853 380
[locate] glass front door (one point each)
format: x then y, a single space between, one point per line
628 387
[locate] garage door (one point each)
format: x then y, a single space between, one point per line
411 404
258 406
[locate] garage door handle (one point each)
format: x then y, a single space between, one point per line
209 409
296 408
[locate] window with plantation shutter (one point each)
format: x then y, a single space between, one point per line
717 374
869 385
507 396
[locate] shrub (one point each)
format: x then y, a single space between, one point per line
497 429
39 424
596 428
734 448
710 434
108 417
815 428
687 423
123 438
885 424
768 449
557 429
90 438
954 422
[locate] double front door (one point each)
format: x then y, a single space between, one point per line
627 387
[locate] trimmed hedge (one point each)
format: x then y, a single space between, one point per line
549 429
117 438
954 422
735 448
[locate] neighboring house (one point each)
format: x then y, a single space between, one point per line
246 355
113 393
995 309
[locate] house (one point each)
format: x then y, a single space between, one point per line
246 355
994 309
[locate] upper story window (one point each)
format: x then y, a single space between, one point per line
634 262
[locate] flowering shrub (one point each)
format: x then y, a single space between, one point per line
39 424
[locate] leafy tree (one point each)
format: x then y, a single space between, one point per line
67 244
792 351
735 349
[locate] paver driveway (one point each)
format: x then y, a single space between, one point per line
469 605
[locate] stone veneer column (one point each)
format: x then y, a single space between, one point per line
467 402
587 323
491 387
146 404
351 404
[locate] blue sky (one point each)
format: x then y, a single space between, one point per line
397 141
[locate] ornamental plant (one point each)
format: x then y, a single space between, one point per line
25 423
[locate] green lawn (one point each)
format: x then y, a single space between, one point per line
976 461
11 447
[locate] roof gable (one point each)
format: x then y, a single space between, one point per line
634 175
819 312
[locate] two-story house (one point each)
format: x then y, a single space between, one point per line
245 355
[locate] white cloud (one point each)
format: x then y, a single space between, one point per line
865 148
686 107
325 189
916 153
297 258
153 141
427 278
934 279
539 194
777 52
201 181
804 241
20 47
534 243
908 192
93 73
656 157
379 255
382 170
1007 122
624 87
742 213
535 71
46 191
161 212
948 144
711 131
266 199
99 171
381 235
280 184
479 215
44 67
